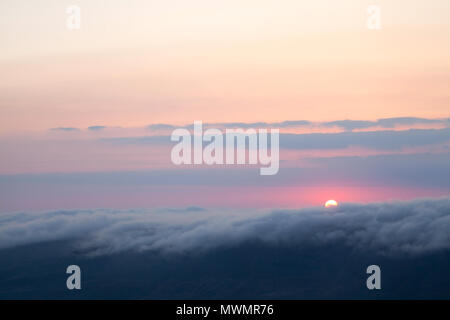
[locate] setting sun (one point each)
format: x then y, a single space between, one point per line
331 203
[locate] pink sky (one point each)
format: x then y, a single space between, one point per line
150 62
137 63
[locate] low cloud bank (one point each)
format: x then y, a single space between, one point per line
375 140
348 125
412 227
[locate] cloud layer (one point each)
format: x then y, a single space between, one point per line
346 125
413 227
374 140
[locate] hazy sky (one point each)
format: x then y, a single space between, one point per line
136 63
133 63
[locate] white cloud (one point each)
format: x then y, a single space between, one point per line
413 227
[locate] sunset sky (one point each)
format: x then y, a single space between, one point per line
80 109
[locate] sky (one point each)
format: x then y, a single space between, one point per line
86 115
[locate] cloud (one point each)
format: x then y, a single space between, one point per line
347 125
390 123
96 128
243 125
412 227
161 126
66 129
378 140
230 125
256 125
288 124
146 140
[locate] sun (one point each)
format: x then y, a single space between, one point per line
331 203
